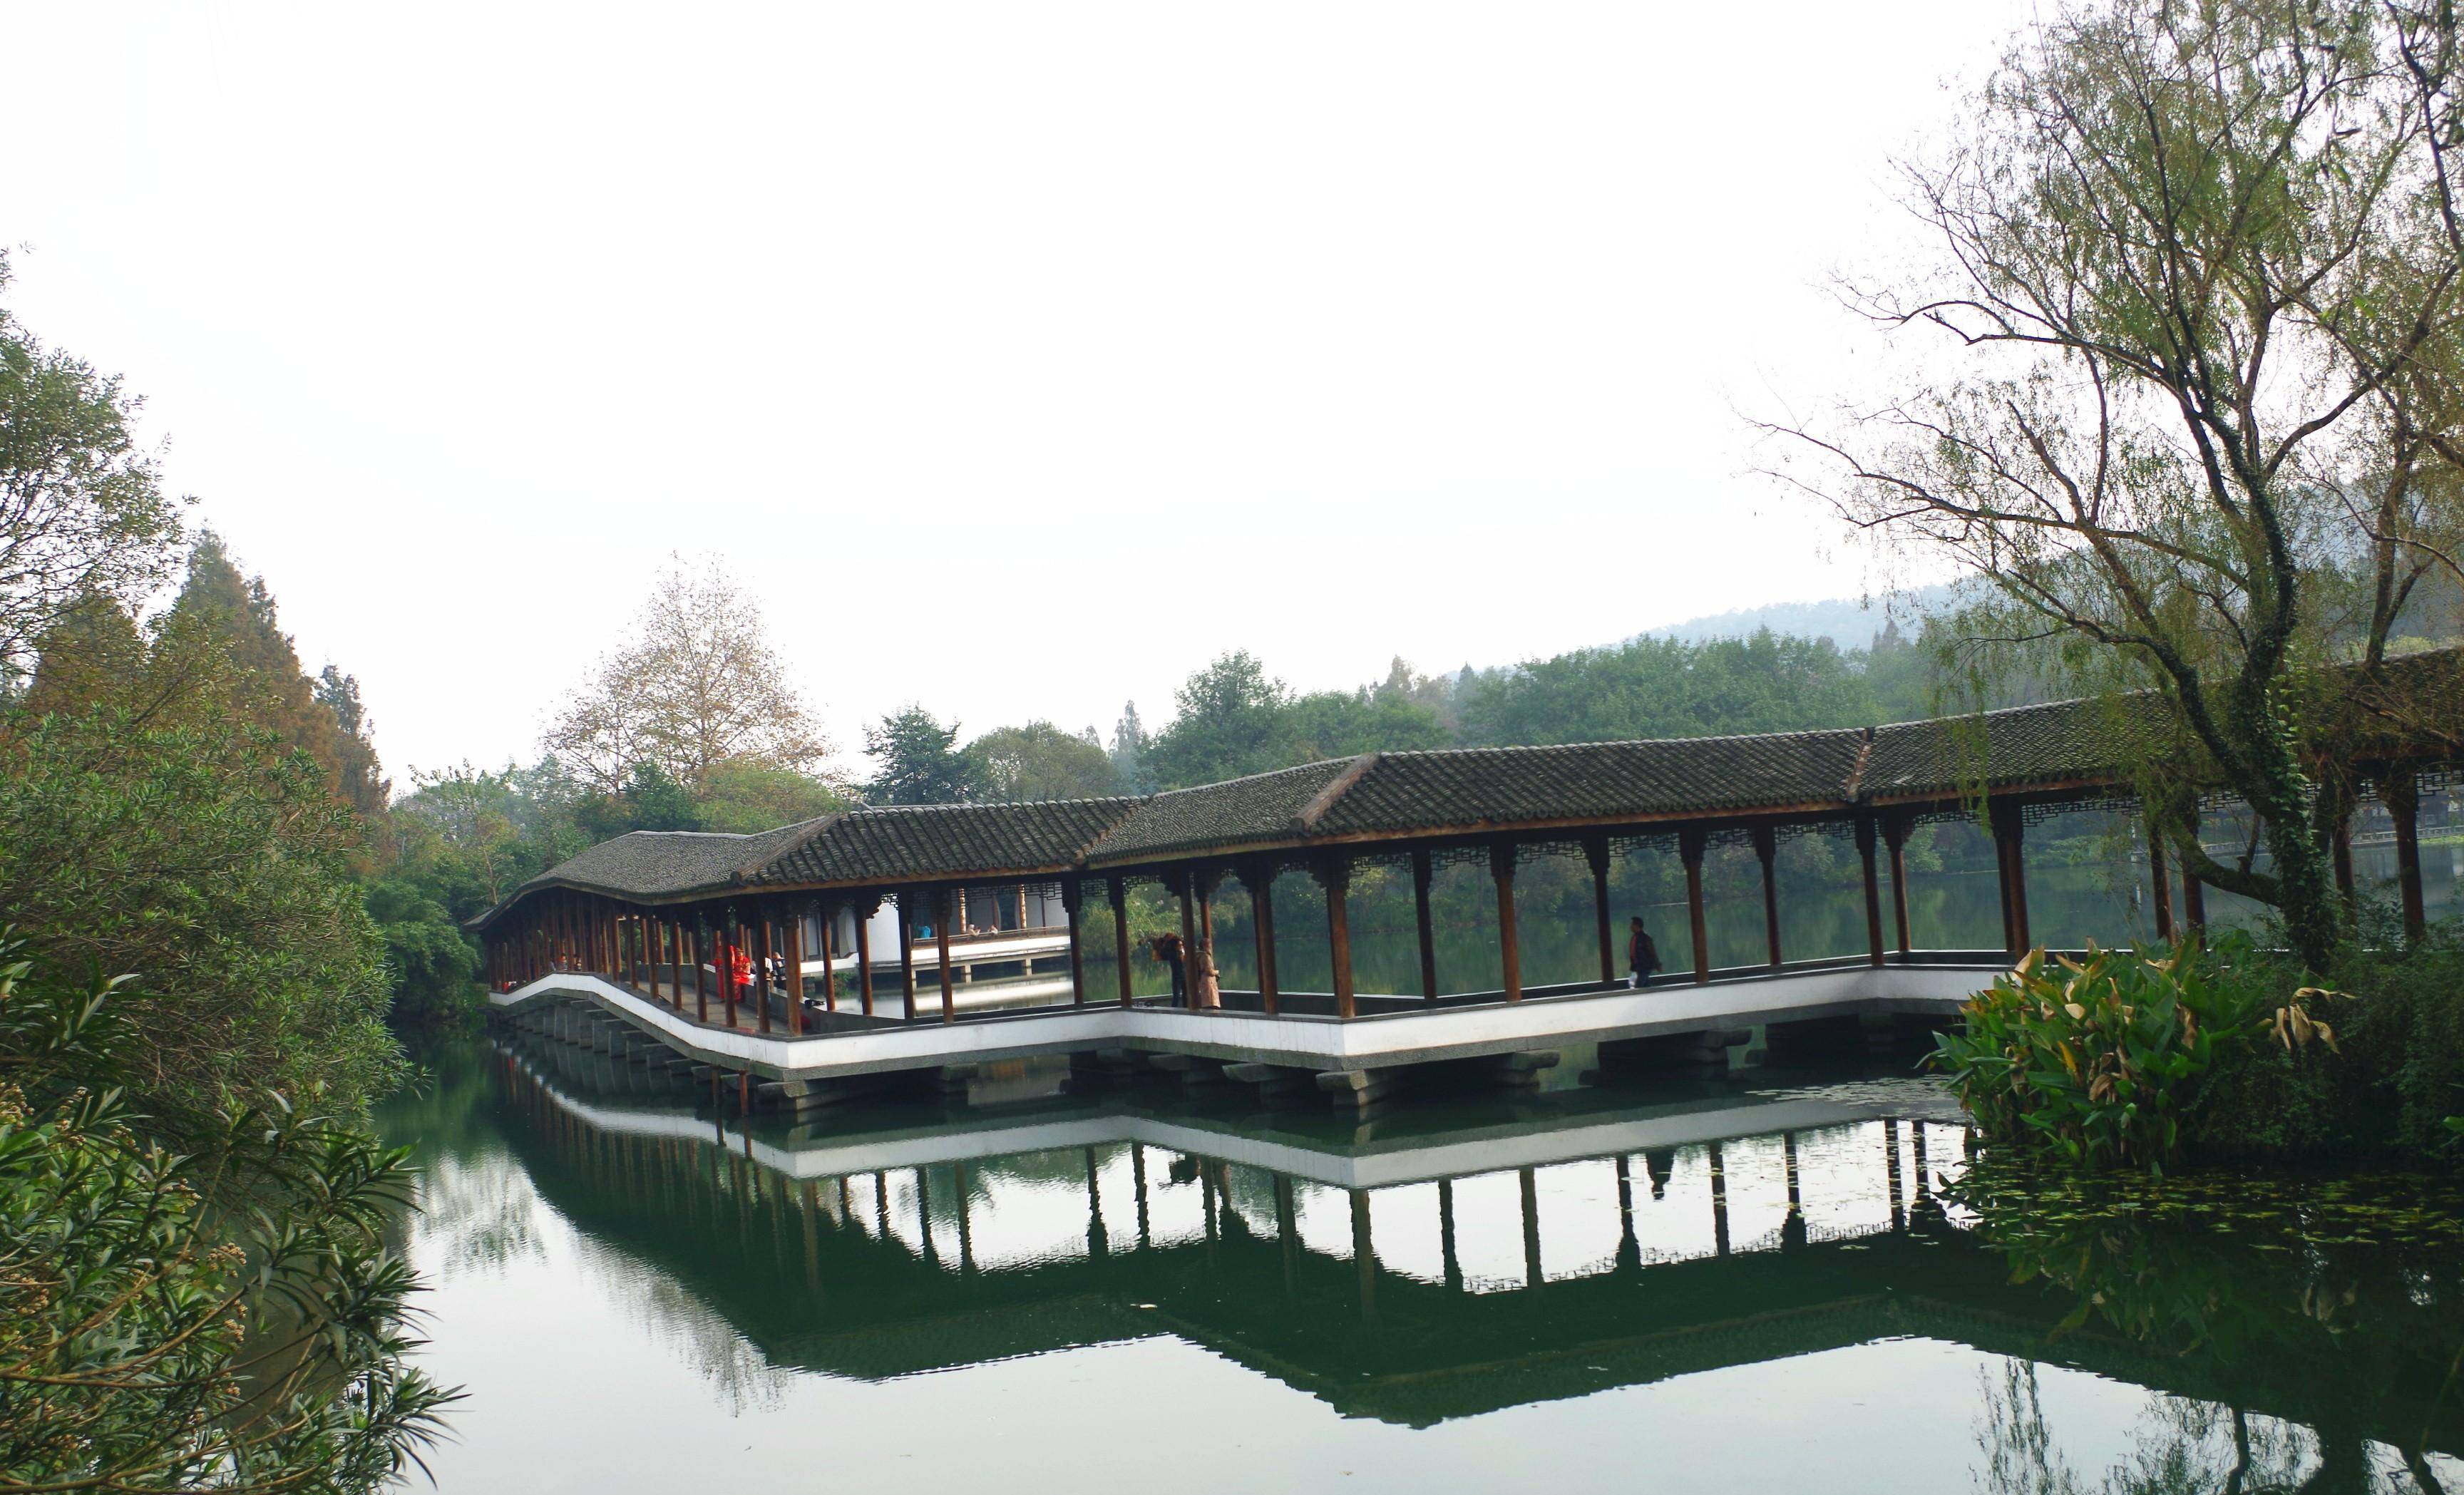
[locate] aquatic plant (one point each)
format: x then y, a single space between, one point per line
2098 1061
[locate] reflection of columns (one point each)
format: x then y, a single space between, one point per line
1629 1249
1096 1241
1873 889
1595 851
1894 837
1530 1227
967 1234
1364 1256
1334 875
1138 1189
1120 895
1509 939
924 1218
1719 1201
1891 1171
2160 884
1423 924
1446 1235
1690 845
1767 852
1288 1234
1924 1176
947 908
2401 792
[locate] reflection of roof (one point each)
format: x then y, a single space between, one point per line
1398 796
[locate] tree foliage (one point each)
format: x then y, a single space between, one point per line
698 685
1041 761
920 762
194 848
226 1318
2201 261
83 519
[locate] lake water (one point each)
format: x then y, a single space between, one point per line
1743 1282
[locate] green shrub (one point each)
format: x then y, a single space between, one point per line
2100 1062
224 1319
2395 1077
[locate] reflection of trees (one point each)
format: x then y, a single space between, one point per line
477 1213
2335 1304
480 1213
2185 1447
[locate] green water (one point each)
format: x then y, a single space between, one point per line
1754 1283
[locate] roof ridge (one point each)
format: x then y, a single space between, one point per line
1855 784
807 831
1334 789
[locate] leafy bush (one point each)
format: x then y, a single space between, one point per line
226 1319
2395 1077
2100 1062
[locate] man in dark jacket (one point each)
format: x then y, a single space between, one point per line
1642 955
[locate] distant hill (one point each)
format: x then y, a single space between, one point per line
1849 622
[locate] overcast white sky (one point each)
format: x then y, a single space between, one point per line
1020 357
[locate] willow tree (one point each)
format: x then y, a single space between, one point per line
2195 269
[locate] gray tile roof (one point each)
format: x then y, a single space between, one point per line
1404 792
1214 815
2059 743
1399 795
929 843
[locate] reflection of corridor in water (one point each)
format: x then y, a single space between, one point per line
601 1253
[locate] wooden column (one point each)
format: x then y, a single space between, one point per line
1510 936
1690 845
1767 852
907 952
793 927
1071 892
1595 851
1334 875
1260 879
829 965
2340 847
730 943
2400 791
950 900
762 950
2011 834
1421 876
2160 884
701 988
1895 836
1187 887
864 909
1873 888
1120 897
1206 876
